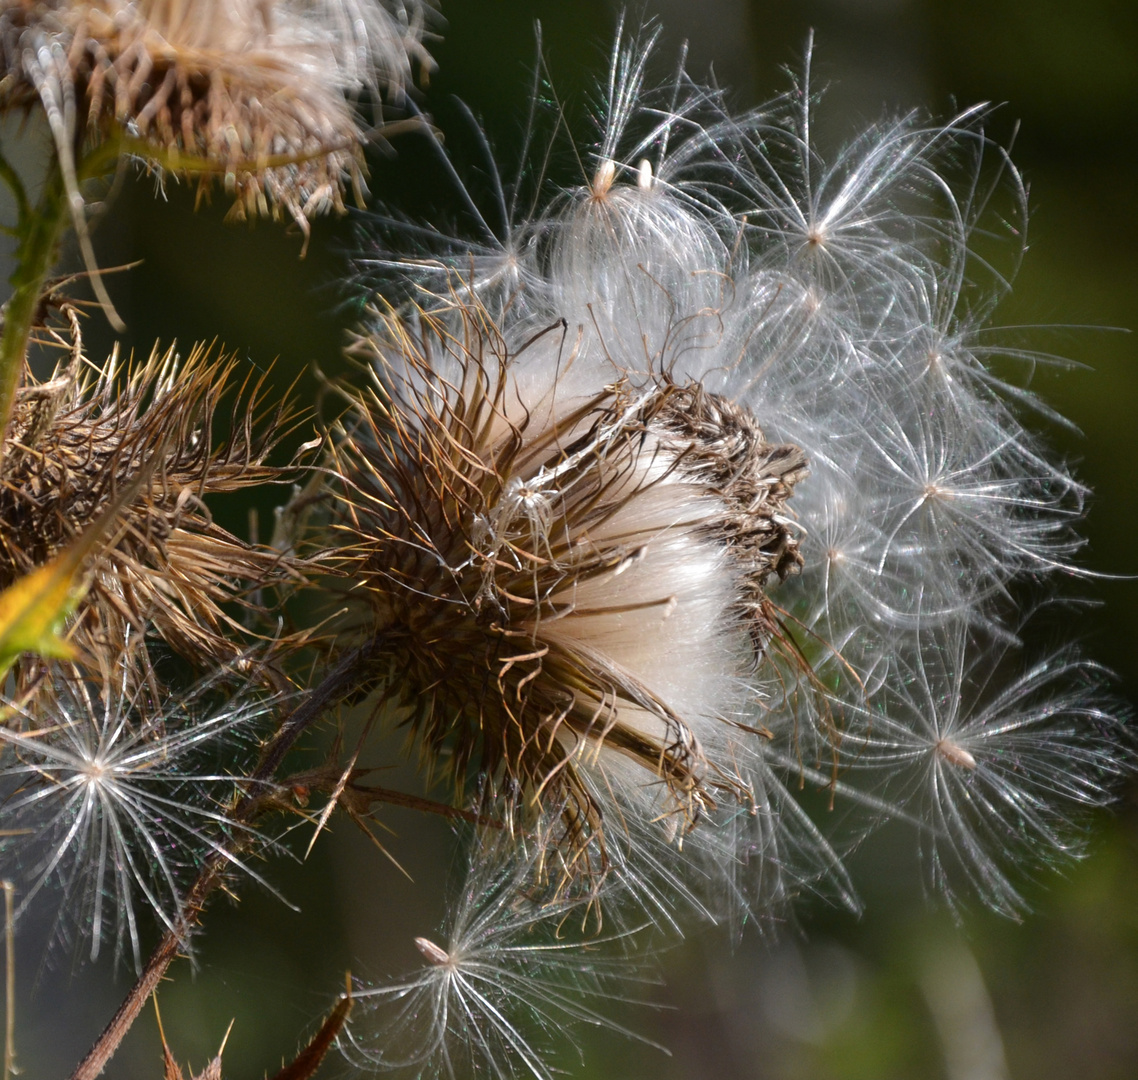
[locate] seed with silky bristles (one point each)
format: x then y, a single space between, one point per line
110 800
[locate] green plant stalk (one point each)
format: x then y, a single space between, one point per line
39 232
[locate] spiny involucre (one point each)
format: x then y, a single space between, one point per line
570 491
145 432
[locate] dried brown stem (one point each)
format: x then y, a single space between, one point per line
359 797
9 982
430 806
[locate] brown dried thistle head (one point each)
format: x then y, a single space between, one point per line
563 585
80 438
257 92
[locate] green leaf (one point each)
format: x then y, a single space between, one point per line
34 609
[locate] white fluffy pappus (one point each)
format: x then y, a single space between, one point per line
839 308
513 974
111 805
999 766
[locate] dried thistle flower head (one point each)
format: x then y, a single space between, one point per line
564 589
85 435
601 499
260 93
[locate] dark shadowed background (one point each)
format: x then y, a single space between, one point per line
899 994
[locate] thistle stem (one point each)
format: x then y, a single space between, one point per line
39 232
335 686
9 982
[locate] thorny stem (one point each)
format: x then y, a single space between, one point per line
335 686
39 231
427 806
366 793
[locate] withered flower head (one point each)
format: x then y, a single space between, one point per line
86 435
259 92
566 589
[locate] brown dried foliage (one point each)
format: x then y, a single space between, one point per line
719 443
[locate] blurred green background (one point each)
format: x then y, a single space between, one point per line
899 994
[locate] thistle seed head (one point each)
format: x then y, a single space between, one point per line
558 584
252 91
743 282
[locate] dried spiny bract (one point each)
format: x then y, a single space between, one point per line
516 973
566 593
717 277
82 439
112 801
261 93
